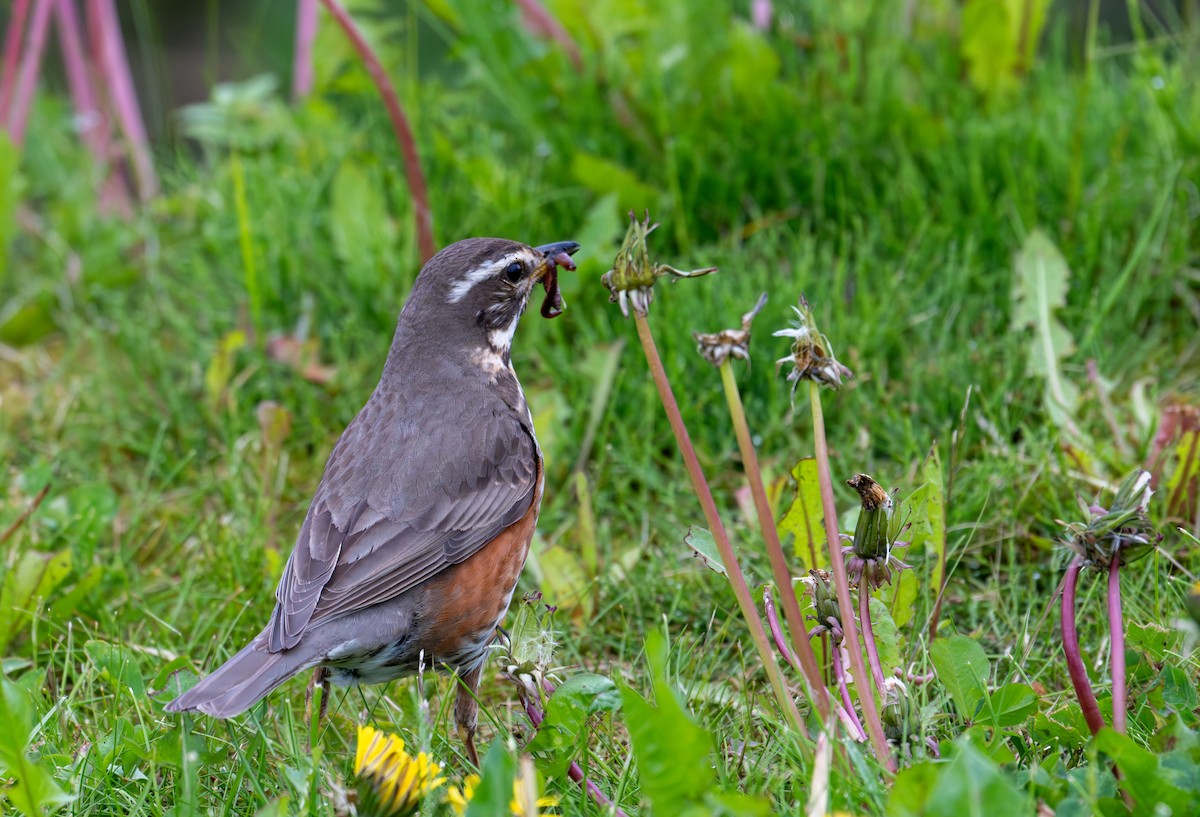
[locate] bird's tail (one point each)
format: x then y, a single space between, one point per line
243 680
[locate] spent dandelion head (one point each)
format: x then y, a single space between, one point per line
631 279
1123 530
391 782
826 611
811 355
719 347
870 556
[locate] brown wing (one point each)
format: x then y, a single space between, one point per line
395 507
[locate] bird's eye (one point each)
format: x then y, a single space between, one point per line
514 271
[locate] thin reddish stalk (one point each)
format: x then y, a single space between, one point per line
404 134
540 21
302 60
31 61
93 125
1070 639
839 675
802 650
14 35
842 583
1116 634
777 631
574 771
732 570
113 67
868 631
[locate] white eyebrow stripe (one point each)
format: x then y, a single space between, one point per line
484 271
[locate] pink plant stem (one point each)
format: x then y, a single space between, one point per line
839 675
541 22
1070 639
700 485
864 616
31 61
802 650
777 631
842 583
93 123
113 67
404 134
14 35
574 771
302 61
1116 633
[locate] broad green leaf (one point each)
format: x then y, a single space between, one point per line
1010 705
221 367
279 807
962 667
26 584
1144 777
925 511
358 220
10 163
900 596
804 520
495 789
605 177
968 785
999 41
33 788
118 666
599 237
672 751
16 713
1179 691
887 636
989 44
33 791
1156 641
564 729
703 545
1181 486
1040 283
564 580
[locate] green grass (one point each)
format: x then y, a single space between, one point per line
894 198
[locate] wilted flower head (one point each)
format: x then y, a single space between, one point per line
827 614
897 714
1122 531
720 346
459 799
812 355
391 782
631 280
869 557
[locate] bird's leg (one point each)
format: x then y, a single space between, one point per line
466 709
320 678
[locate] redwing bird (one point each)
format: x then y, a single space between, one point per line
420 526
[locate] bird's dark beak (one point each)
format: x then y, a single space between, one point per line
557 255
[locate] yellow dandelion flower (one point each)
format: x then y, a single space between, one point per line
460 798
392 782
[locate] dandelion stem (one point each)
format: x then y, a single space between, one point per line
740 590
801 648
1116 632
839 674
868 631
1070 639
838 565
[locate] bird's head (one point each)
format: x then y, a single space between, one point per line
475 290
